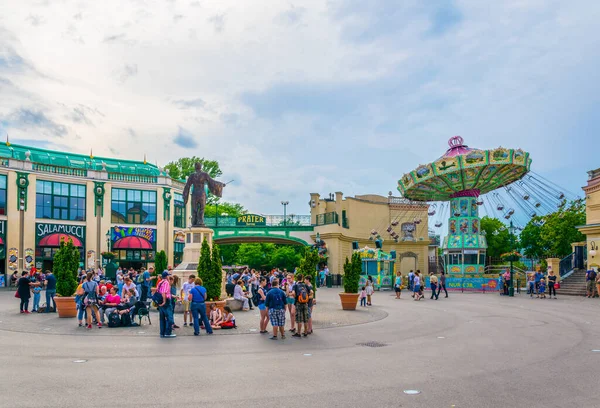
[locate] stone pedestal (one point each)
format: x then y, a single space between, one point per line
194 237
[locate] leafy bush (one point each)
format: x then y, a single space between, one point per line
352 271
160 262
209 270
66 262
308 265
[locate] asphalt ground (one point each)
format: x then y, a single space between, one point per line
470 350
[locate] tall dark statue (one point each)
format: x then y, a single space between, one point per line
198 180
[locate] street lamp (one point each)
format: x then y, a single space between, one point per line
285 204
108 240
593 249
511 288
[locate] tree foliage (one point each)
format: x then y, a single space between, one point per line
352 271
553 234
66 262
231 209
264 256
160 263
285 257
308 265
497 236
214 282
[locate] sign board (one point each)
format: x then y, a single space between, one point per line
148 234
251 220
43 229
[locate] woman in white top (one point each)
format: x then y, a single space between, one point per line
127 286
238 294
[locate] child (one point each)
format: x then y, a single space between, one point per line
228 319
216 317
531 285
363 297
542 289
369 291
37 293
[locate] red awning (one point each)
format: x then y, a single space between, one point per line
53 240
1 241
132 243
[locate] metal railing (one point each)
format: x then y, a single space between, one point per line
270 221
133 178
566 264
67 171
327 218
345 222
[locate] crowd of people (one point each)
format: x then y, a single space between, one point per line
33 283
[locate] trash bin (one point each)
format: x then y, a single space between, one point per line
328 281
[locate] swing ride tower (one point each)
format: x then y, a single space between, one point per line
459 178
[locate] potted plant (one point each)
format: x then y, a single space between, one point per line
352 271
66 262
210 271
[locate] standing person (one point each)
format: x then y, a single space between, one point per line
197 297
174 282
411 280
506 277
542 289
416 285
185 294
538 278
37 294
164 308
531 284
90 299
120 282
597 285
370 291
24 290
590 282
262 307
551 284
275 304
50 284
146 283
433 284
398 285
291 300
442 284
311 301
302 297
363 297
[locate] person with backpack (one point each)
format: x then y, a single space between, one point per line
90 300
162 298
291 300
311 301
302 296
275 303
197 297
590 282
411 280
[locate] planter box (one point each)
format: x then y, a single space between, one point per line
349 300
65 306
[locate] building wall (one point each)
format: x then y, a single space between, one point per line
592 227
364 214
96 226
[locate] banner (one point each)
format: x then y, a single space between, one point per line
143 232
28 260
13 259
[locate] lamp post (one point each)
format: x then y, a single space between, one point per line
285 204
217 214
108 240
511 288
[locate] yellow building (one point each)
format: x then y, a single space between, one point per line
341 221
592 227
132 208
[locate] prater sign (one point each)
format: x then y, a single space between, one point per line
250 220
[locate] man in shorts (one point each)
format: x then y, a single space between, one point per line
301 291
185 292
275 303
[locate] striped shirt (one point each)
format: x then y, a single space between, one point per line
165 288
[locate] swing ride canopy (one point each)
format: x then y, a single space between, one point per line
464 172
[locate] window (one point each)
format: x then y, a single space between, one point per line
2 195
179 218
133 206
59 201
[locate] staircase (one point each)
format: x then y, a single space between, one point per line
573 284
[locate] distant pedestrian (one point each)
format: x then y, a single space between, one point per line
531 284
551 284
369 289
542 289
50 284
363 297
538 278
442 284
90 300
185 294
311 301
197 297
398 285
590 282
433 283
24 291
275 302
164 307
411 280
417 286
37 294
262 307
302 298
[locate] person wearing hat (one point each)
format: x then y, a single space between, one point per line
164 308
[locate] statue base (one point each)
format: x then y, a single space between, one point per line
194 237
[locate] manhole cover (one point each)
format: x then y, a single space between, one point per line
372 344
79 361
412 392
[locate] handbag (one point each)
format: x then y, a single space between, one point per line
17 295
557 285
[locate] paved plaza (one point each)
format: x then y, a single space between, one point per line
471 350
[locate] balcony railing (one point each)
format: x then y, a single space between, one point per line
327 218
132 178
67 171
270 221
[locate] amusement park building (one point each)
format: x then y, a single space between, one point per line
341 221
132 208
592 227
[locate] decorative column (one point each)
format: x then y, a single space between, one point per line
99 191
22 187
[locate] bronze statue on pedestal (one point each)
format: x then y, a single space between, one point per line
198 180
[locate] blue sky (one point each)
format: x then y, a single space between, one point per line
308 96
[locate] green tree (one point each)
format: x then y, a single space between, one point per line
160 263
497 236
530 239
256 256
66 262
205 268
229 253
285 256
231 209
308 265
558 231
352 271
214 281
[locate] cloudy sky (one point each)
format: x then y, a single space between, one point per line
305 96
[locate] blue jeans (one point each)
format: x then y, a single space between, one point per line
433 290
166 319
201 308
363 301
50 295
36 301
